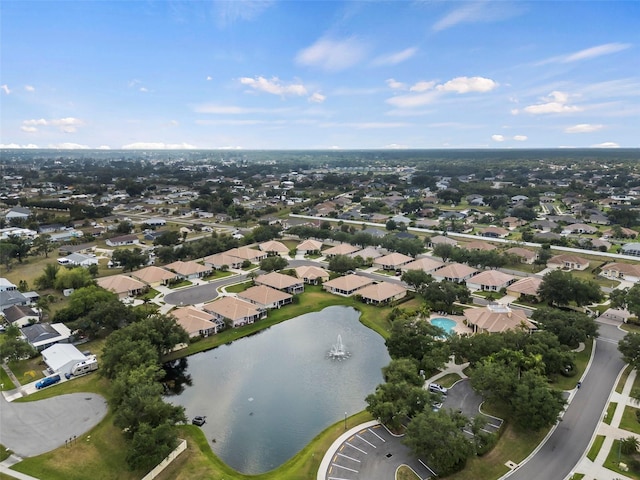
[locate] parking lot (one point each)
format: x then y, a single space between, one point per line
372 452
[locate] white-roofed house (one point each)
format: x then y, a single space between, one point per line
61 357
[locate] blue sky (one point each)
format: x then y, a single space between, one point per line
319 75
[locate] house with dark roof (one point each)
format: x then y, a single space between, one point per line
43 335
21 315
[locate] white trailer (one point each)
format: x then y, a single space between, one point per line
86 366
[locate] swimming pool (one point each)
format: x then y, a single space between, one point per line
444 323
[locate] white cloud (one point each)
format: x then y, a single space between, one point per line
29 88
274 86
333 55
468 84
365 125
235 110
158 146
209 78
15 145
477 11
594 52
143 89
5 89
606 145
395 146
520 138
68 146
395 58
317 98
498 138
104 147
422 86
67 125
424 93
231 12
555 102
395 85
584 128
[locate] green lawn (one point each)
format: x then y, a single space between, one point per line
623 378
611 408
582 358
238 287
615 457
5 382
595 448
629 420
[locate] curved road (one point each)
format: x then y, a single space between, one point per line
564 448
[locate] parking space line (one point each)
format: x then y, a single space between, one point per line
345 468
346 456
336 478
383 440
359 449
366 441
427 467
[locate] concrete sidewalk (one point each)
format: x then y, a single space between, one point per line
595 470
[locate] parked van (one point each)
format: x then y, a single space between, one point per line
47 381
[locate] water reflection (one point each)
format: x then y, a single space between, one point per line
266 396
176 377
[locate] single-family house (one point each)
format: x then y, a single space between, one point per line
122 240
9 298
155 222
78 260
497 319
154 276
393 261
189 270
342 249
281 281
426 264
620 232
220 260
621 271
366 254
527 286
568 262
490 281
247 253
525 255
122 285
6 285
455 272
233 311
494 232
309 247
62 357
43 335
632 249
478 245
579 228
265 297
439 239
383 292
197 322
21 315
18 212
311 274
274 247
86 248
346 285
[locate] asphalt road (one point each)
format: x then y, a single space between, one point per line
566 445
33 428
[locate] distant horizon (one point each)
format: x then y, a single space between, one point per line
319 75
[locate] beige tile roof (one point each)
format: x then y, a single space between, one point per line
369 252
222 259
479 245
624 268
120 284
274 246
311 272
566 258
153 275
342 249
526 286
309 245
455 270
277 280
425 264
438 239
231 308
382 291
263 295
393 260
491 278
193 320
348 283
495 319
245 253
522 252
187 268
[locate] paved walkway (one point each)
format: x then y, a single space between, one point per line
595 470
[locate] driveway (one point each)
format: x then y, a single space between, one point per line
33 428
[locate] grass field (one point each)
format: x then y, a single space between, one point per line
629 420
595 448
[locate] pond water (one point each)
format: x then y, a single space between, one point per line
266 396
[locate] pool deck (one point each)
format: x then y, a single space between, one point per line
460 327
